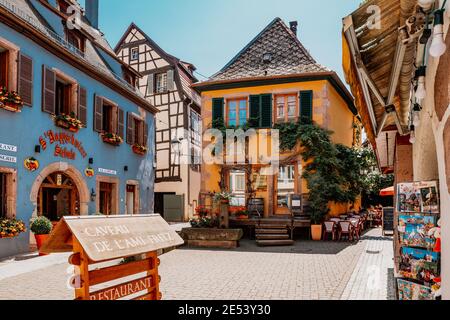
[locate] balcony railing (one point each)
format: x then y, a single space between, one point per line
60 41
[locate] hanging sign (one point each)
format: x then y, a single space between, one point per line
65 144
89 172
31 164
9 159
7 147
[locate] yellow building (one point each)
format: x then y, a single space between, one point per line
273 79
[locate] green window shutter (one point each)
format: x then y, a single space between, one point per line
266 111
255 111
217 111
306 106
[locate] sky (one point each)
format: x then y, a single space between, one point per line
209 33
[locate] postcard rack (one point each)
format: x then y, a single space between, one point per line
417 241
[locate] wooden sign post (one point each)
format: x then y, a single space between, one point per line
114 257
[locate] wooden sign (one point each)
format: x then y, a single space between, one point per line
100 244
106 238
388 220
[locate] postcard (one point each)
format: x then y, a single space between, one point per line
419 264
412 291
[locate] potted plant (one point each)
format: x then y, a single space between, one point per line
10 228
223 197
41 227
139 149
242 214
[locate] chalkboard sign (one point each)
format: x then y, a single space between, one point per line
388 219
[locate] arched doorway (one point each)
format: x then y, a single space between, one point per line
58 196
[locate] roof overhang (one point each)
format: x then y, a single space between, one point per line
379 63
332 77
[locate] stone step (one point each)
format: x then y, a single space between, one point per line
272 237
271 231
274 243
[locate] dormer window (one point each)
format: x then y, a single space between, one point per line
267 57
76 39
63 6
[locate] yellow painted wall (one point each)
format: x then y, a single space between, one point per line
329 110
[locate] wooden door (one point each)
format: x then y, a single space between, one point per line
106 198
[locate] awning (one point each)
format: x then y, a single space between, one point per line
388 192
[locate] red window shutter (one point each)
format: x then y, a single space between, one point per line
120 122
145 134
82 105
98 114
130 128
25 80
48 90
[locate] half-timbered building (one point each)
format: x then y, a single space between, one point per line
166 84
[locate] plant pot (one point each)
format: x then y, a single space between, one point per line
40 240
11 107
316 232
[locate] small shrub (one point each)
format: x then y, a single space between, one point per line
41 225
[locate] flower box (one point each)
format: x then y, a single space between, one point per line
70 123
10 100
112 139
11 228
212 238
139 150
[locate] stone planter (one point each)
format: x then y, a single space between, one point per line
212 238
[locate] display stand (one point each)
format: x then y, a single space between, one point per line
417 256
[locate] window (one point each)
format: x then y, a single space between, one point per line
196 128
76 39
63 103
3 196
237 112
285 187
161 83
134 54
137 130
130 78
4 67
286 107
107 119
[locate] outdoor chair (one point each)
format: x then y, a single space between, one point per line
343 216
330 228
355 228
345 229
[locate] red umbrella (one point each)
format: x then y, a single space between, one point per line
388 192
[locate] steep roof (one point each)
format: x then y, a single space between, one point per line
289 56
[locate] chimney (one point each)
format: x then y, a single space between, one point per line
293 26
92 12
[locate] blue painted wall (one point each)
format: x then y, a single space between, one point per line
24 129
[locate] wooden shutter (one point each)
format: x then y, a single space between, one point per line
98 114
120 122
145 134
306 106
170 80
25 79
48 90
82 105
266 111
130 128
151 84
217 110
255 111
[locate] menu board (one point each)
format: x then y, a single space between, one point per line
388 219
419 262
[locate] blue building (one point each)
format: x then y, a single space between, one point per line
77 138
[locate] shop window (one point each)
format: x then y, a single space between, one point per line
137 130
286 107
237 114
105 200
285 188
3 196
161 82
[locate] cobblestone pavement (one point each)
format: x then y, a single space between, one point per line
308 270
